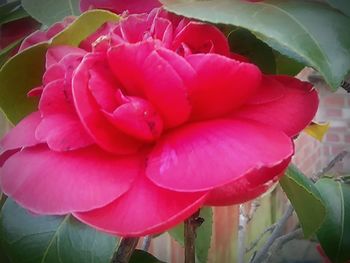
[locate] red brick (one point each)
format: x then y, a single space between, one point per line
332 137
347 138
333 112
334 101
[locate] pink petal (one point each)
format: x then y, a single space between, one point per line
291 112
47 182
206 155
249 187
103 132
202 38
222 85
119 6
22 135
144 209
56 54
60 127
133 28
143 72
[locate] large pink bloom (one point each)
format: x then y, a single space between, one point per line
148 120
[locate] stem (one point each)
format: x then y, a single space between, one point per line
243 220
191 224
146 243
125 250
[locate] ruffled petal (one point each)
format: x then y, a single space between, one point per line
144 209
290 108
223 84
22 135
145 73
119 6
202 38
100 129
56 54
60 126
248 187
206 155
48 182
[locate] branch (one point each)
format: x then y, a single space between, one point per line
281 241
125 250
256 241
242 227
191 225
261 255
338 158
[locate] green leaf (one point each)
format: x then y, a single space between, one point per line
204 233
341 5
305 199
48 12
309 32
142 256
6 8
5 52
25 70
286 65
334 235
245 43
27 238
14 15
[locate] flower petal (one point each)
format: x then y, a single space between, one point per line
144 209
291 112
206 155
22 135
100 129
48 182
56 54
202 38
145 73
223 84
248 187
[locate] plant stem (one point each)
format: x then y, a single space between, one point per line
126 248
146 243
191 224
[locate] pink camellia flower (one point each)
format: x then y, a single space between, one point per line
147 121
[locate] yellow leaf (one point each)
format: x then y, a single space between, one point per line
317 130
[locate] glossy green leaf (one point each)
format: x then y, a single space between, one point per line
341 5
245 43
48 12
25 70
27 238
305 199
140 256
309 32
204 233
5 52
6 8
286 65
334 235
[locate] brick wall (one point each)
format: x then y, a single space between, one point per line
311 155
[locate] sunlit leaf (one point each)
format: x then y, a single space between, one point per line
310 32
25 70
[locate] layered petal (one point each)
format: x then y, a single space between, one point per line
22 135
100 129
202 38
290 108
248 187
206 155
144 209
47 182
222 85
119 6
144 72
